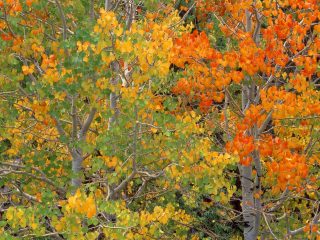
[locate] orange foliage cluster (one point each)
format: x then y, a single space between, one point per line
206 6
288 104
191 47
284 43
12 6
242 145
287 166
6 37
193 52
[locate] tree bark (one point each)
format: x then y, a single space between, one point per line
251 206
107 5
113 95
76 169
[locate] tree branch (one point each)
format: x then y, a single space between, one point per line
74 119
63 18
86 125
44 178
265 123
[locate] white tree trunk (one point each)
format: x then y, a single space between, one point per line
251 207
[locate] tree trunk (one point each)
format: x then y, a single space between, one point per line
107 5
76 170
251 207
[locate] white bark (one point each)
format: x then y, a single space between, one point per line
76 153
251 207
76 169
113 96
107 5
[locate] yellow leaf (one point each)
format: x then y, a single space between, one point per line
79 45
10 213
124 47
27 70
163 68
150 58
19 213
110 162
118 32
33 226
130 235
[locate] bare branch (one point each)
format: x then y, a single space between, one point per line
63 18
266 220
314 221
265 123
25 195
74 118
282 199
59 127
258 26
86 125
134 156
123 184
43 177
225 111
184 16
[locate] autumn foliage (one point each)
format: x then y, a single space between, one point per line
192 119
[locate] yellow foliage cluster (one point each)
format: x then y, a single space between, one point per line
106 22
150 222
17 217
81 204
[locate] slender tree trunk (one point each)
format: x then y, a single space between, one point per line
251 207
247 185
113 95
114 81
76 153
107 5
248 202
92 17
130 9
76 169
